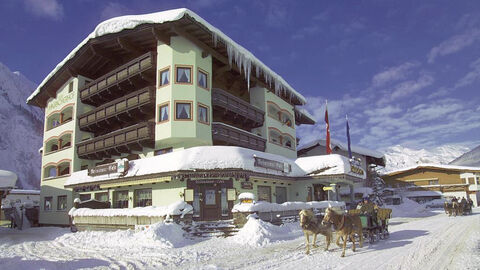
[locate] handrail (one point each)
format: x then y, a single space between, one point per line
244 108
105 81
97 117
236 136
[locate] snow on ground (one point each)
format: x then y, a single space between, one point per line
435 241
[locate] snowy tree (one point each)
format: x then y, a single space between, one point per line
377 184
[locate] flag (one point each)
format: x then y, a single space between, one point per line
327 142
348 139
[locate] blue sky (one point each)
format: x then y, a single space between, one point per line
406 72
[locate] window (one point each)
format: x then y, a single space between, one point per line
84 167
85 197
70 87
163 113
202 79
64 169
203 114
286 120
264 193
164 77
47 203
163 151
433 182
120 199
101 196
62 202
275 137
184 75
273 111
287 142
50 172
143 197
183 111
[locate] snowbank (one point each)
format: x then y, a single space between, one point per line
437 203
236 53
178 208
163 235
422 193
409 208
327 165
7 179
191 159
259 233
262 206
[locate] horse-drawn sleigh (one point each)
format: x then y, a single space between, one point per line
352 226
457 208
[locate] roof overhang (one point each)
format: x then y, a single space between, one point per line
103 50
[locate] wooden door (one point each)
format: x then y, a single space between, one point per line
210 204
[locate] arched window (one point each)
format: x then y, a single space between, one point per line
275 137
64 168
50 171
273 111
287 142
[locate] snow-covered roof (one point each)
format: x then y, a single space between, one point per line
177 208
435 166
364 190
355 149
236 53
422 193
7 179
304 115
327 165
191 159
262 206
25 191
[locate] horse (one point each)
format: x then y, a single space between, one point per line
311 226
456 208
346 227
448 208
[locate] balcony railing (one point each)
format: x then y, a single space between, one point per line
237 108
223 134
121 110
135 74
118 142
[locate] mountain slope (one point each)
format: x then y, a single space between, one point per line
471 158
21 129
398 157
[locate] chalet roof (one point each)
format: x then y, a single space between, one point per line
237 56
355 149
435 166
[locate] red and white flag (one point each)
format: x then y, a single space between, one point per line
327 142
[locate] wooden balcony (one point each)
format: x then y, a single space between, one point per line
223 134
133 75
118 142
236 109
124 110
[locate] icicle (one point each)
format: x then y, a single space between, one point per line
257 70
247 68
230 52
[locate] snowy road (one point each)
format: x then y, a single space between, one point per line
434 242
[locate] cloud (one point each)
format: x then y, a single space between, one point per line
454 44
407 88
50 9
393 74
471 76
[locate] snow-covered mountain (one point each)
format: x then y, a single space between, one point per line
471 158
398 157
21 129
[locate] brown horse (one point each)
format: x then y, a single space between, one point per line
311 226
448 208
456 208
346 226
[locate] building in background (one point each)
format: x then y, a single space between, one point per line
364 161
432 181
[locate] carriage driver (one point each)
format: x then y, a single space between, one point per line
369 208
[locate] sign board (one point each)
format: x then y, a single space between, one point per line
116 167
247 185
272 164
188 193
210 181
231 194
327 188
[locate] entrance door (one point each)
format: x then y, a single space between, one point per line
318 193
210 203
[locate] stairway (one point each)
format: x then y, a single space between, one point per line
206 229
